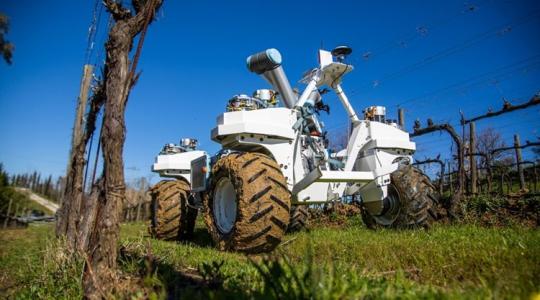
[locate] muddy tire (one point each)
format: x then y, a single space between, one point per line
414 199
171 217
247 207
299 218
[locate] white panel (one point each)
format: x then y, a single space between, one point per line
269 121
178 161
325 58
345 176
317 192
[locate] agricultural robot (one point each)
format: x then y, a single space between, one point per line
275 161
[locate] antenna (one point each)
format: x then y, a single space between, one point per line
341 52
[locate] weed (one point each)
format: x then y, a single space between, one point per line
57 274
501 211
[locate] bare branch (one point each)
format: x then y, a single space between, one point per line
429 161
144 15
117 10
507 107
527 145
437 127
459 143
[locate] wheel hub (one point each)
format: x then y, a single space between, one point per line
391 207
224 206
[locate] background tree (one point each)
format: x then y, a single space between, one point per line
6 48
3 176
338 139
487 140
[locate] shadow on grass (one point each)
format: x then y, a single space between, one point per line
201 237
168 282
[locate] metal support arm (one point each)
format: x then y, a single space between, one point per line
346 104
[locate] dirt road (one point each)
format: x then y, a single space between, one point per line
53 207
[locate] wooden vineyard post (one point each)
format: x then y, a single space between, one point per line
16 210
451 183
401 118
472 159
138 215
519 162
6 221
72 192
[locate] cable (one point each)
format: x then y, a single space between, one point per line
466 97
478 108
482 76
96 16
420 31
500 74
499 30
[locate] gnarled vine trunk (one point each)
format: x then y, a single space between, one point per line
100 270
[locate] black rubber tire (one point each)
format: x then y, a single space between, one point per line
299 218
418 201
171 216
263 203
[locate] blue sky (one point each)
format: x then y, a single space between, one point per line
431 58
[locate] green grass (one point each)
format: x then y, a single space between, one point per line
461 261
34 265
451 260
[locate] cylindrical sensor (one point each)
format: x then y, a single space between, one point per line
264 61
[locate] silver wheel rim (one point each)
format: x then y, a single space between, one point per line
224 207
392 213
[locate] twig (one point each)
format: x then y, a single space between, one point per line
287 242
101 292
391 272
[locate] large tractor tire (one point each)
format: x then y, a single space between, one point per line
171 216
412 201
299 218
247 207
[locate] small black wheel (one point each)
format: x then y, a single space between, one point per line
171 216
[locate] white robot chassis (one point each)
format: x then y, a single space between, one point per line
275 159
